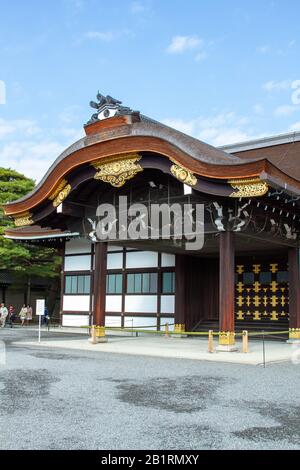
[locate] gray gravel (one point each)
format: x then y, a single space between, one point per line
85 400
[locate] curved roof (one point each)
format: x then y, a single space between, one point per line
133 132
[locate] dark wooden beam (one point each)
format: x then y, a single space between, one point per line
294 293
100 288
180 293
226 290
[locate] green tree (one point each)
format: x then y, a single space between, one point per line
23 259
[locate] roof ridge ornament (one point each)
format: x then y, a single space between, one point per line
107 107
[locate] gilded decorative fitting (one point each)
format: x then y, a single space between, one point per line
249 187
100 331
179 328
183 174
118 169
294 333
60 193
23 219
226 338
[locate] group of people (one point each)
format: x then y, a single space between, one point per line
9 316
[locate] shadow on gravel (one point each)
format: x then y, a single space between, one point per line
288 427
179 395
19 387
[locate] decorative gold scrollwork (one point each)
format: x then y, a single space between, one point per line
118 169
183 174
23 219
62 194
249 187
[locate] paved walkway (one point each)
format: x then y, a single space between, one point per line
179 348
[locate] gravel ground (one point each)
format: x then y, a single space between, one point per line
63 399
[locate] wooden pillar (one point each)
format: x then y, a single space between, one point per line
226 290
180 293
100 289
294 294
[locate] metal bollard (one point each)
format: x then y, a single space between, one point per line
245 342
210 341
167 331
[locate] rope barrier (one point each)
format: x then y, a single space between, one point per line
141 329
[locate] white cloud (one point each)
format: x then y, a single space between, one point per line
222 129
264 49
201 56
285 110
23 126
272 85
180 44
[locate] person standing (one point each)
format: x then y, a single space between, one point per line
3 315
23 314
11 315
29 314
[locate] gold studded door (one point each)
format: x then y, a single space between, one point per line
262 291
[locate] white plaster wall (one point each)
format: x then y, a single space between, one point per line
141 303
140 322
113 303
115 261
113 321
76 303
79 245
167 260
167 304
141 259
78 263
114 248
75 320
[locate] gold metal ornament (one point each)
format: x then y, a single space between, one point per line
183 174
63 192
226 338
249 187
23 219
294 333
118 169
179 328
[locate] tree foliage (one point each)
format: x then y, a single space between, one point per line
24 259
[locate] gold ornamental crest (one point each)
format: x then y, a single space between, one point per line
118 169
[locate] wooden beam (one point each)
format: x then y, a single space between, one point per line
226 292
100 288
180 293
294 293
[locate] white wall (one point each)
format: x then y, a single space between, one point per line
113 321
75 320
113 303
167 260
140 321
115 261
78 263
167 304
76 303
141 303
141 259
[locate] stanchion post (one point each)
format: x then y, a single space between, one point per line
93 339
210 341
245 342
167 331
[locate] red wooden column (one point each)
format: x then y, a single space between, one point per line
226 290
100 289
180 293
294 294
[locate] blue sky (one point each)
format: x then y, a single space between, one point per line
221 70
